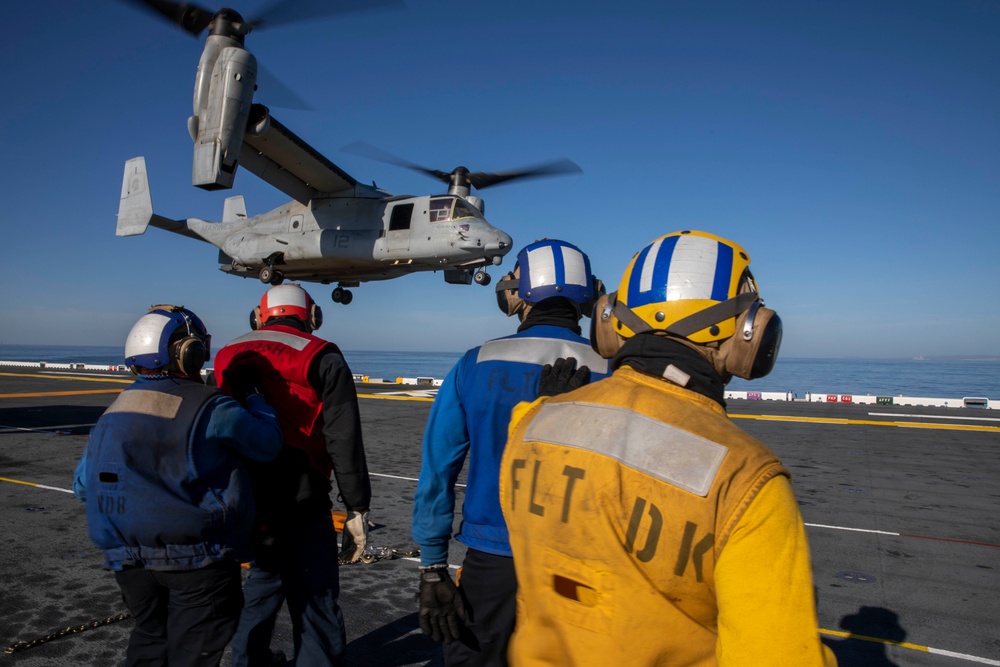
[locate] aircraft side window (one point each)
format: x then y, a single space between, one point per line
400 218
440 210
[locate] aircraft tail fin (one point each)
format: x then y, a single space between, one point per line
235 209
135 210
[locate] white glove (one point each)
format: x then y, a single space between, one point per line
355 537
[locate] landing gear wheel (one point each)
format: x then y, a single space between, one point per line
481 278
269 276
341 295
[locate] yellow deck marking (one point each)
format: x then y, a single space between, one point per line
869 422
81 378
914 647
38 394
37 486
397 398
787 418
877 640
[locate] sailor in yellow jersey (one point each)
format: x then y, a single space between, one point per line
646 528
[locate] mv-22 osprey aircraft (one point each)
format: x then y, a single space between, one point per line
336 229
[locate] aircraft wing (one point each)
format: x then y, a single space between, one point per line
278 156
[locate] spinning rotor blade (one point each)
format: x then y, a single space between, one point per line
281 12
194 19
189 17
277 93
481 180
462 177
374 153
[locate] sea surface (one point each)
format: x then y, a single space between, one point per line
930 378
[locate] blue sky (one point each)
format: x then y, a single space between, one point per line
851 147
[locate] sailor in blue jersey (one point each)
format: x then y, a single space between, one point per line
168 497
550 289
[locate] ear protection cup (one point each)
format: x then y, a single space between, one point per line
752 352
190 354
508 301
255 322
768 345
603 337
597 290
315 320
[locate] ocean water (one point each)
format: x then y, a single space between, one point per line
928 378
932 378
375 364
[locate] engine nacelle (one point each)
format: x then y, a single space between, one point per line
222 104
477 202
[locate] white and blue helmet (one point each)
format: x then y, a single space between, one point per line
168 338
546 269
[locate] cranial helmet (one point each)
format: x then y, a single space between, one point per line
695 286
288 300
546 269
168 338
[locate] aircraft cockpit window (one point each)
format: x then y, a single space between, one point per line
464 209
440 210
443 209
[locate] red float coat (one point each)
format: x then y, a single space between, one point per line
281 357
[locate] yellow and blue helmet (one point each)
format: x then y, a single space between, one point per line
690 284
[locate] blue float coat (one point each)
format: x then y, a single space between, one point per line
470 416
171 493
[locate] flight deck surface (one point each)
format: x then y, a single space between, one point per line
900 504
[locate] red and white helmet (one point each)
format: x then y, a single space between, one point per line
288 300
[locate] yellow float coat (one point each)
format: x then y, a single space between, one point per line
647 529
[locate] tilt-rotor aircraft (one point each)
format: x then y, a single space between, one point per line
335 229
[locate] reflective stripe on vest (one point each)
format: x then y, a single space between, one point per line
146 402
541 351
660 450
291 340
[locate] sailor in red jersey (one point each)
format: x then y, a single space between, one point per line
308 382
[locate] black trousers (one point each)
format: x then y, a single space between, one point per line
181 617
488 587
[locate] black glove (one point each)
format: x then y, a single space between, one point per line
562 376
242 381
441 609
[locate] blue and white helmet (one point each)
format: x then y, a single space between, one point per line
165 335
545 269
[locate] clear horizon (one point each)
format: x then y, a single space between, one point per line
782 357
850 147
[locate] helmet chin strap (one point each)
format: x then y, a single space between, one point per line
692 323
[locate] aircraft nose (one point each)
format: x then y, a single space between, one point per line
499 247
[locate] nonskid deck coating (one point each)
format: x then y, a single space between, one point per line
900 504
